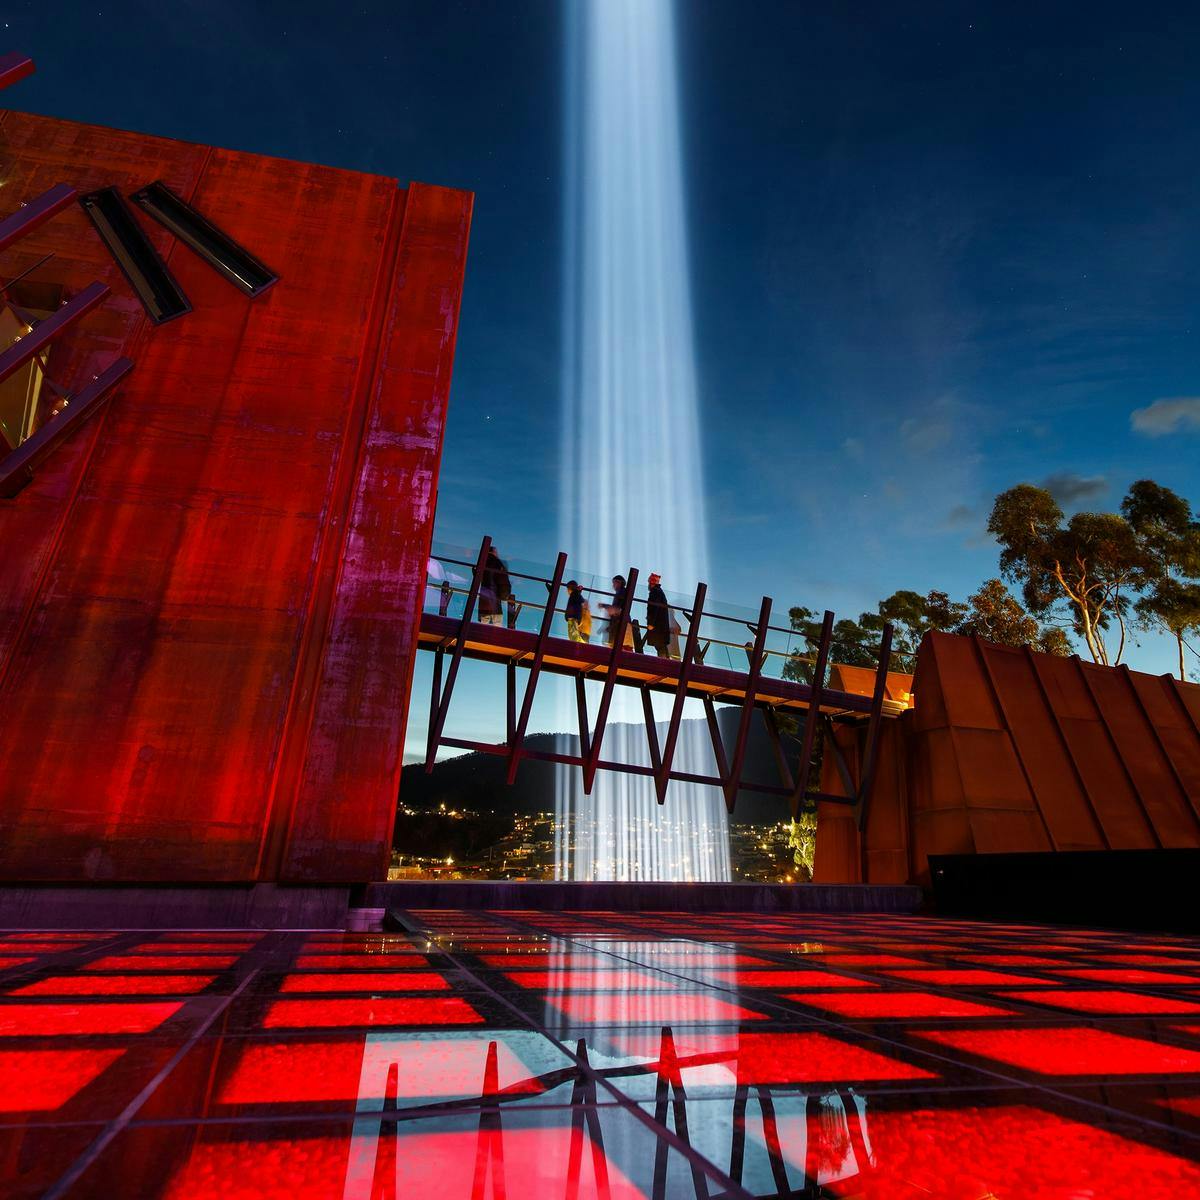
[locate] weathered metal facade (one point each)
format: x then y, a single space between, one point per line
210 593
1008 750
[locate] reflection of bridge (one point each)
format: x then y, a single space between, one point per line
817 700
817 1155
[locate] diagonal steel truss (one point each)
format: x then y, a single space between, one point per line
515 648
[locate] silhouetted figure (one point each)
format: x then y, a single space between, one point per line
658 618
495 589
444 594
579 616
612 610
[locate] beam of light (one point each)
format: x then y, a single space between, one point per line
632 488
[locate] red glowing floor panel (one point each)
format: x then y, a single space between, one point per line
885 1005
346 1065
1111 1002
42 1080
367 981
1071 1051
1010 1152
120 985
395 1010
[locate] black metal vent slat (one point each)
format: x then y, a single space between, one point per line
212 244
161 297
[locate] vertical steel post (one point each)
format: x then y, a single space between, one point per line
663 774
804 766
755 669
439 721
535 669
870 755
610 679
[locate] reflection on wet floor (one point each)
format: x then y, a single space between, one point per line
611 1055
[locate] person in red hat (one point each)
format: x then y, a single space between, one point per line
658 618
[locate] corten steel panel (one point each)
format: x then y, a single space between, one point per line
880 853
163 628
344 809
1111 755
837 857
39 152
1044 757
886 834
1167 806
1105 778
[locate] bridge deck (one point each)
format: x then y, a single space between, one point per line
494 643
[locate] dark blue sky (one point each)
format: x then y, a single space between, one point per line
937 249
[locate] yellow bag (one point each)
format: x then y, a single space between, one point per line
585 620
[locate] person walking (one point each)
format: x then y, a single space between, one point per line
579 616
495 589
658 618
612 611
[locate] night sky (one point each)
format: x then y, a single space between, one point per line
937 248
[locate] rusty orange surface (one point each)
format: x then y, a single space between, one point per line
1010 750
209 596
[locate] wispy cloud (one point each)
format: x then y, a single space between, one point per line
1178 415
1069 487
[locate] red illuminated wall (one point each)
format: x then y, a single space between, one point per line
1008 750
209 596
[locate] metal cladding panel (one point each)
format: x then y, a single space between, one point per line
175 563
1104 777
345 803
38 153
1170 813
838 856
886 834
1044 756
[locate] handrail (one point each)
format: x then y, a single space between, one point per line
718 616
791 655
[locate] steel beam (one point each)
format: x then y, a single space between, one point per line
771 720
870 751
14 68
685 673
535 669
610 679
16 469
756 661
714 733
804 766
585 737
44 332
443 705
651 733
35 212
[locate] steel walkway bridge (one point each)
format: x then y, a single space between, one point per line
828 694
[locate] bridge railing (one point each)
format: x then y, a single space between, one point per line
727 632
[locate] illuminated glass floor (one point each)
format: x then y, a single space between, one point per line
606 1055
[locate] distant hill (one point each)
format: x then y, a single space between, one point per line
477 781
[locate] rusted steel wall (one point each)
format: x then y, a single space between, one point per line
1008 750
209 596
879 853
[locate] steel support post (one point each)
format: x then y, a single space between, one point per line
804 766
663 774
438 723
535 669
610 679
755 669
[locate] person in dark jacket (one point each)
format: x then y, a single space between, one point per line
495 589
612 611
658 618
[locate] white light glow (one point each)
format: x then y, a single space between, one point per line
631 450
